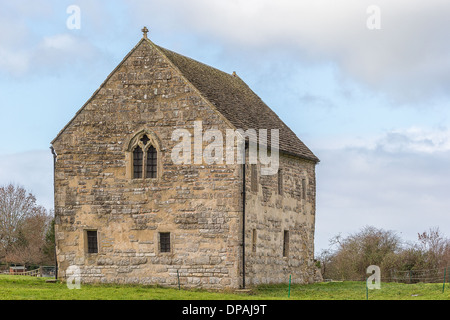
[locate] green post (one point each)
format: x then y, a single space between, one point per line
289 293
178 277
443 284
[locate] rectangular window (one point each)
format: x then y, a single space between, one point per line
304 189
254 240
92 246
280 181
254 181
138 159
164 242
152 160
286 243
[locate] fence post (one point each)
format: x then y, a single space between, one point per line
289 292
443 284
447 276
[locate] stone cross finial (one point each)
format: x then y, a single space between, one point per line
144 31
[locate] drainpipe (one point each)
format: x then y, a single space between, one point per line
54 210
243 218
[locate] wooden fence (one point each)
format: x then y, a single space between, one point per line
43 271
33 273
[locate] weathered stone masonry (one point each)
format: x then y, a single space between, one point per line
269 214
200 205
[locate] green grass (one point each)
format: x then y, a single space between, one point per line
31 288
356 290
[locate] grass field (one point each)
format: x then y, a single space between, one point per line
31 288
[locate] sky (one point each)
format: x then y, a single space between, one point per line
364 84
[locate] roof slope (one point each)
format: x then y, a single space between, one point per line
237 102
231 97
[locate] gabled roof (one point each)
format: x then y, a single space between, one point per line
230 96
237 102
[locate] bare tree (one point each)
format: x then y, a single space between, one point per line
424 260
21 221
435 247
354 253
28 248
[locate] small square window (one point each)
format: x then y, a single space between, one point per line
164 242
92 244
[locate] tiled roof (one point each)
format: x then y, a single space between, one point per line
237 102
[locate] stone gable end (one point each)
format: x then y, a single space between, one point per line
94 189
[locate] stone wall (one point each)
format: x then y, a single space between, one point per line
198 204
269 214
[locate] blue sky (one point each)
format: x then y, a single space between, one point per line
371 104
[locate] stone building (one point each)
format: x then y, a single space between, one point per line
126 213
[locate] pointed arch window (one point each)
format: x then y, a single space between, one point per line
145 159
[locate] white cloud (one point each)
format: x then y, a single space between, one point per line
51 53
14 62
26 46
408 57
62 50
416 139
398 184
62 42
